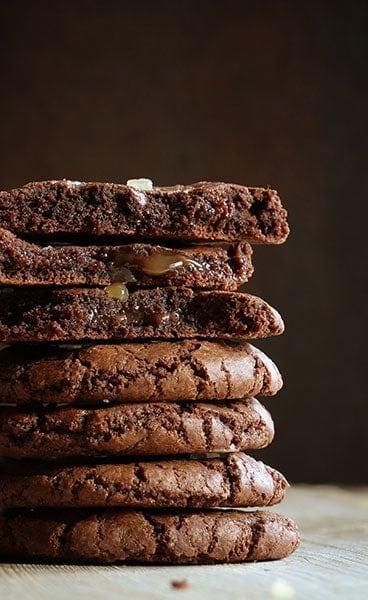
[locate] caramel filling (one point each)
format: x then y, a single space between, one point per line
158 264
152 265
117 290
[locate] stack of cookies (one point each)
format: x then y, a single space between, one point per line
127 381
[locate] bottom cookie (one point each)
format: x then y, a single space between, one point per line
128 536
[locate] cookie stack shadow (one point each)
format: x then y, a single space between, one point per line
127 381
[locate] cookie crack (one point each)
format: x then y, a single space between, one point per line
257 528
159 533
280 486
227 373
232 475
200 375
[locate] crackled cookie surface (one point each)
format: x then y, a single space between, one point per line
118 536
182 370
233 480
134 429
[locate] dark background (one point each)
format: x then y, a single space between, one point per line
259 93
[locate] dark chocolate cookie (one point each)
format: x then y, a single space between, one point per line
136 372
233 480
134 429
32 314
129 536
208 267
202 211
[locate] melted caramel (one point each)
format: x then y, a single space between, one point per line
164 263
117 290
152 265
155 264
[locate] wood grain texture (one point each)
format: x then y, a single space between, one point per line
330 563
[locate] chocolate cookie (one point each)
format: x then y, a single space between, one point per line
201 211
233 480
143 265
129 536
132 372
89 313
134 429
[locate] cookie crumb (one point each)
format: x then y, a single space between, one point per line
282 590
181 584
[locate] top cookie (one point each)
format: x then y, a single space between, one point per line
197 212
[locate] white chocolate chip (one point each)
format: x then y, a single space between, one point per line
72 184
140 184
68 182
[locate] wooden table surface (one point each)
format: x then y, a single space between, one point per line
332 562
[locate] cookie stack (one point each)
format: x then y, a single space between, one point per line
127 382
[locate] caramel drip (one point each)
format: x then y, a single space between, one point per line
153 265
117 290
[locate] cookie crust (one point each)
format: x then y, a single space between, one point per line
127 536
147 429
234 480
186 370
